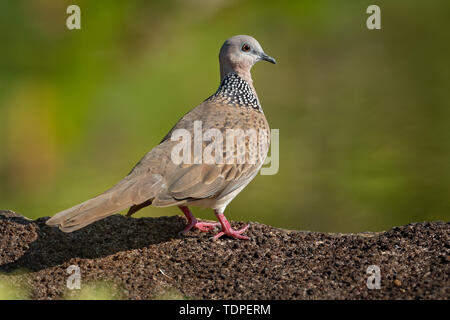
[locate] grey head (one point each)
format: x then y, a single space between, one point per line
238 54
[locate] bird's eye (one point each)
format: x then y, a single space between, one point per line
246 48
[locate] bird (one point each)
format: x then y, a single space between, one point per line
159 181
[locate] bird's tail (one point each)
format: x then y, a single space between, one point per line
124 194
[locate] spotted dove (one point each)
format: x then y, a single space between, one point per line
160 181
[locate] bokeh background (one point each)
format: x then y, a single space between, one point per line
364 116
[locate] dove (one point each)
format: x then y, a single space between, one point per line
160 181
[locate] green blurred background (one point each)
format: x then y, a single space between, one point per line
364 116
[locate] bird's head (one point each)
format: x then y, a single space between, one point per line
239 53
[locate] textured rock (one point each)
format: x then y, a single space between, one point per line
142 256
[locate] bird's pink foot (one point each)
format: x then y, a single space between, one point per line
227 230
202 226
194 223
237 234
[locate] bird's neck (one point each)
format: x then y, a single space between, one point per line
241 69
237 89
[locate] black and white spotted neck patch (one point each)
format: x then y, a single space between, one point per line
237 92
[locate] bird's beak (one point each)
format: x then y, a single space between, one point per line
268 58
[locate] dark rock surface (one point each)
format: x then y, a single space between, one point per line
141 256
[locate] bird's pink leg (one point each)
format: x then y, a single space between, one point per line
226 228
194 223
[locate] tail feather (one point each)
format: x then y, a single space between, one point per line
126 193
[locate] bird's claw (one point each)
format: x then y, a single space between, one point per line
202 226
236 234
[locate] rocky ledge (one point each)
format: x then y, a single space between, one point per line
146 257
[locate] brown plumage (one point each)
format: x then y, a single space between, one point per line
158 181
